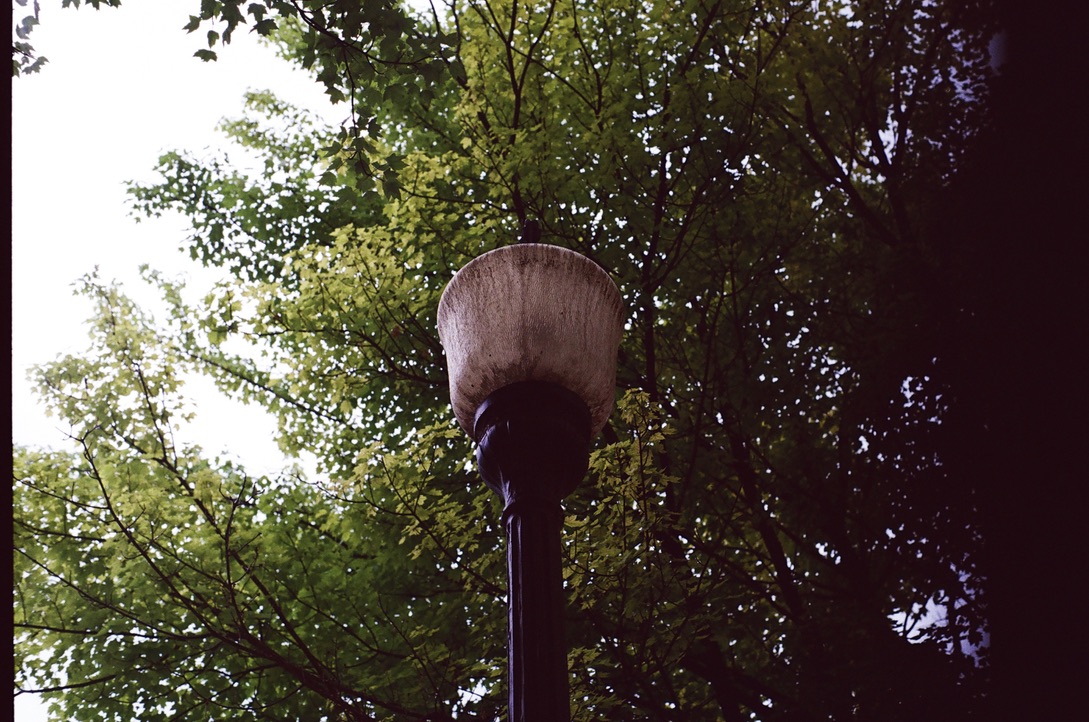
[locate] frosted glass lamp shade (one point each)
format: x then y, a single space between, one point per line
531 312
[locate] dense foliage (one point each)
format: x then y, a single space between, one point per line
768 530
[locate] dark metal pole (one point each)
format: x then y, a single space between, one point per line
534 442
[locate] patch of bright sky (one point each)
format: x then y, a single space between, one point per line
121 87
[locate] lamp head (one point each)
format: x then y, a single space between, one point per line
531 312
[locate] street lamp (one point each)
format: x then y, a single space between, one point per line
531 333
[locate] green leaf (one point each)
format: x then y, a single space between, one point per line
391 187
265 27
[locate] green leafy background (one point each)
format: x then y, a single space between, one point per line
767 524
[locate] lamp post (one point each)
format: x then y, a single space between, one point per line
531 333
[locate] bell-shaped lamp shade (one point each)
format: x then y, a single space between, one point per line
531 312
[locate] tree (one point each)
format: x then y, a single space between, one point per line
768 530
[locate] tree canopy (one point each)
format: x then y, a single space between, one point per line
768 530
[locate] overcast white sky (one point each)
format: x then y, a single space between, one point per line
121 86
